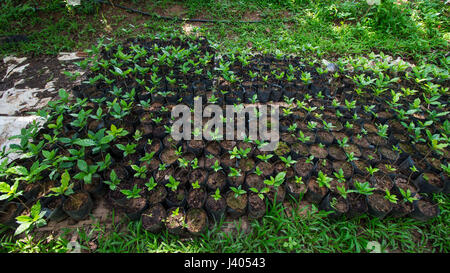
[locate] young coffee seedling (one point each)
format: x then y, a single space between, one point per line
141 172
36 219
407 195
363 188
238 191
173 184
261 192
323 180
133 193
391 197
371 170
276 181
216 167
86 172
65 188
288 161
196 185
9 192
217 195
113 182
151 184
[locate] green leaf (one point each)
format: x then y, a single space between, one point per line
84 142
82 165
19 170
65 140
88 178
4 197
4 187
63 94
23 219
280 176
23 227
35 210
65 178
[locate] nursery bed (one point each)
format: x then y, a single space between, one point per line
352 141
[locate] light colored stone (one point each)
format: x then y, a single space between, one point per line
11 126
14 100
69 56
14 68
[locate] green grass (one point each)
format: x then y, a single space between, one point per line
417 30
275 232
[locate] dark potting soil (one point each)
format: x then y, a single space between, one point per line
8 212
237 203
401 137
382 182
357 202
325 137
340 204
378 202
196 144
266 168
176 196
198 175
337 152
362 142
254 181
335 183
196 198
324 166
92 186
339 136
54 203
435 163
226 161
210 161
279 166
302 168
389 154
215 205
228 145
157 195
246 164
352 148
300 149
135 204
154 147
169 156
318 152
256 203
153 216
297 188
151 165
276 192
196 220
370 128
346 167
427 208
76 201
361 166
216 180
213 148
405 207
434 180
182 175
403 184
174 221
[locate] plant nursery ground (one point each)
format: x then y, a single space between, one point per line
362 161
